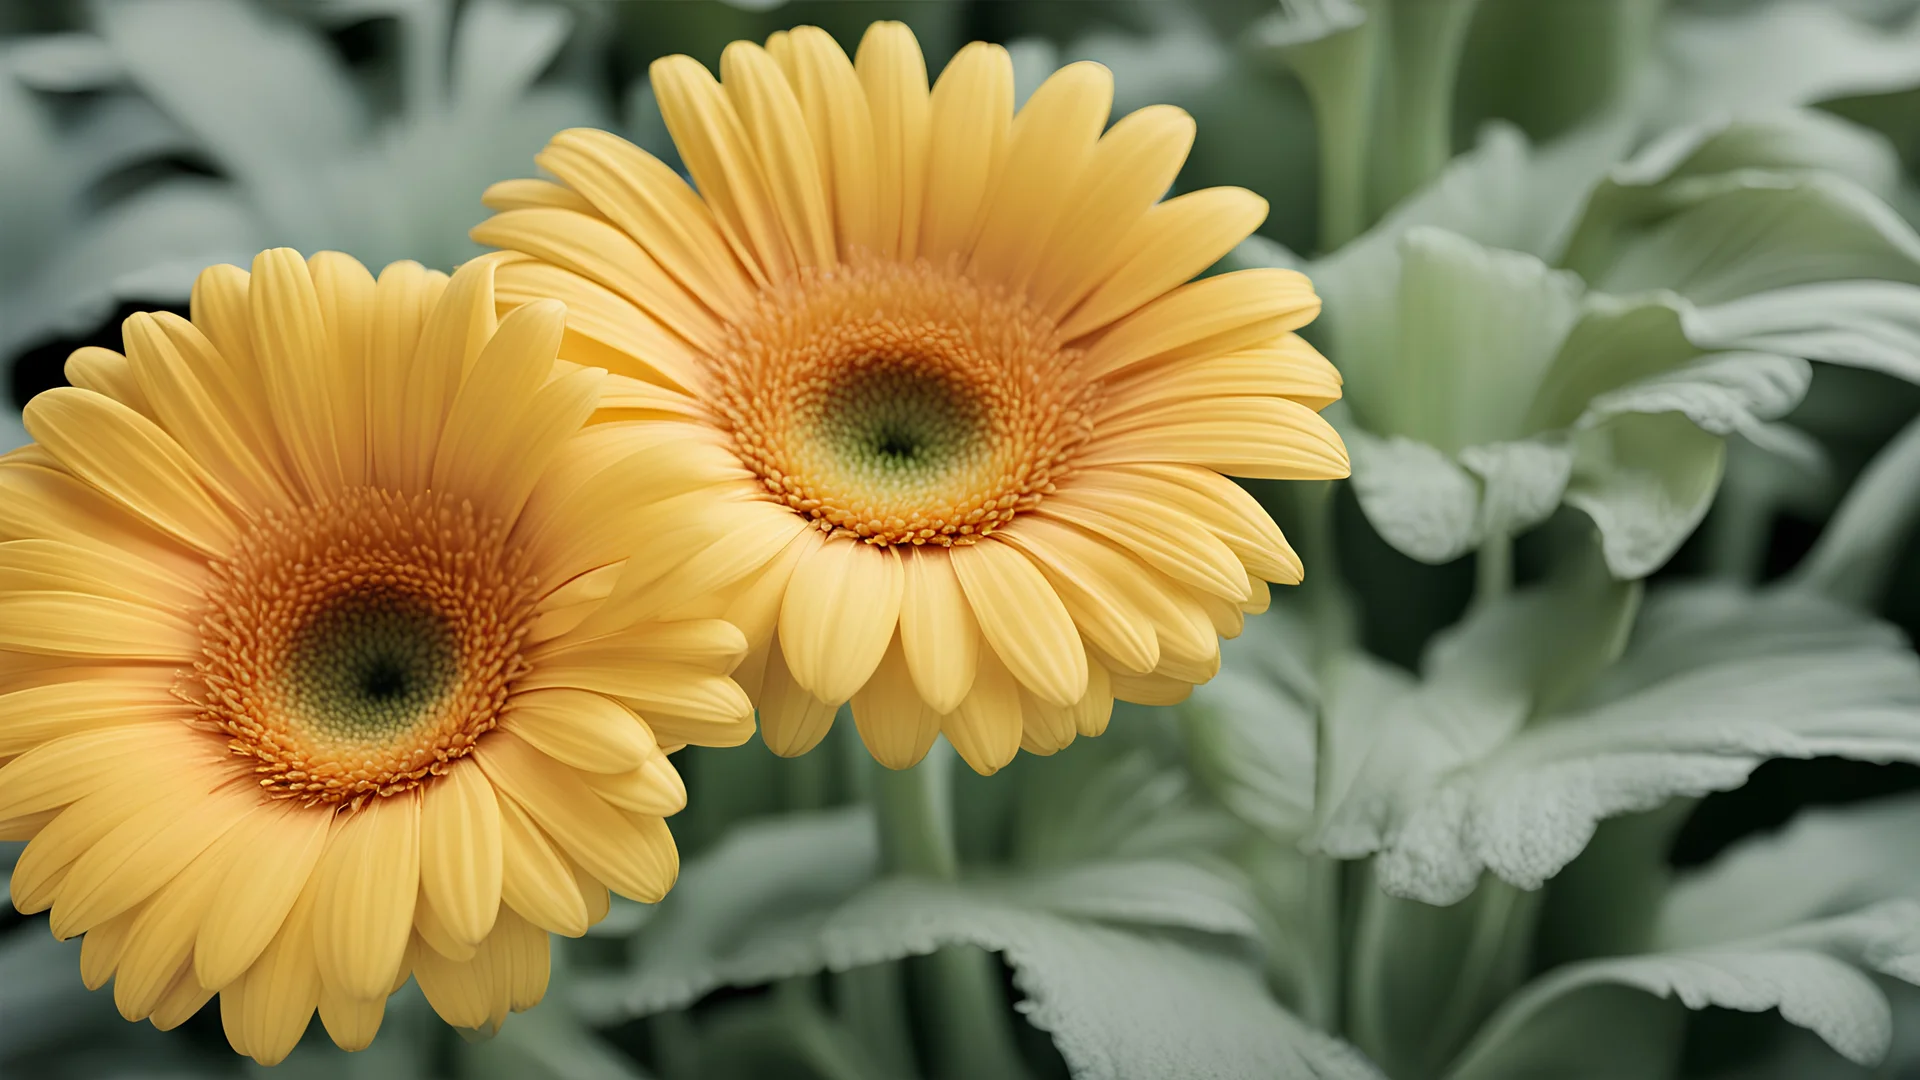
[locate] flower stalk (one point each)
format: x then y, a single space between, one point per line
974 1035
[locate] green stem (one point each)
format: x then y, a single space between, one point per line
1493 569
973 1034
1427 39
1338 74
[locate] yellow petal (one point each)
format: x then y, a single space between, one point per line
835 106
70 768
1081 568
540 194
403 298
120 696
1226 508
109 374
720 157
365 887
181 1000
296 359
428 927
938 635
460 851
1287 367
1132 165
1150 689
604 329
646 198
345 292
163 933
507 420
1174 543
1170 244
598 251
971 111
634 855
770 115
257 893
591 732
1263 301
44 866
655 788
537 882
197 397
838 615
1051 142
459 324
351 1022
51 504
220 309
895 722
792 721
986 728
101 949
79 624
893 74
1023 619
127 456
266 1013
1266 438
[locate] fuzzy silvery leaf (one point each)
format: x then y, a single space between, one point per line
1816 974
1789 53
1859 547
1825 862
1086 943
1252 730
1714 683
1486 389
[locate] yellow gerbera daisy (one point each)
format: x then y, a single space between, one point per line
967 416
304 685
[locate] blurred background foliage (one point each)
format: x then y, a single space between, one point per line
1241 886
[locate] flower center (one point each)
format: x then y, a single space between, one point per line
355 648
902 403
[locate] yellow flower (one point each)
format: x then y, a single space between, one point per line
305 681
976 419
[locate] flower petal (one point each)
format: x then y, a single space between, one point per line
1023 619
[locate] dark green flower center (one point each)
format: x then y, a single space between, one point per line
372 664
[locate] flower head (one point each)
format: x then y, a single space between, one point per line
307 676
963 414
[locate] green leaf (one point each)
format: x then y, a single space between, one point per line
1417 498
1815 974
1252 730
795 896
1858 548
1768 55
1868 324
1716 682
1472 330
1825 862
1749 232
1646 480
